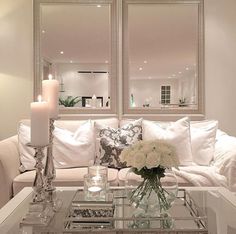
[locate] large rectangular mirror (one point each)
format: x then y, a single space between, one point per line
163 56
75 41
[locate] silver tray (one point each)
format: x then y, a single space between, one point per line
187 215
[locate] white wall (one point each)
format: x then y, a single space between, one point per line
79 84
16 63
220 62
147 91
188 87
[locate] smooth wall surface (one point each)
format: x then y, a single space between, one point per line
16 63
148 91
80 84
220 63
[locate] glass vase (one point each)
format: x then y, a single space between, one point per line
151 196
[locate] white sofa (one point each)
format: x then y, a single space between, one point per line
220 172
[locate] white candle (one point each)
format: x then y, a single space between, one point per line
50 89
94 189
94 101
39 123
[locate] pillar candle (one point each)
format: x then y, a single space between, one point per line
39 123
50 89
94 101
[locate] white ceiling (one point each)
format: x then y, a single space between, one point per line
164 35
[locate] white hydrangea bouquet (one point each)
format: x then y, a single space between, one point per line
149 159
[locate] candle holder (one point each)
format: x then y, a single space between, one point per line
50 172
95 183
95 187
38 213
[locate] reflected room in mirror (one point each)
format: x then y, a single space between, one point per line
162 64
76 50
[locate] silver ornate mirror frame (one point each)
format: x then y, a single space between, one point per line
196 113
113 51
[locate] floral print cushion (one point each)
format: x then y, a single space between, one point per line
113 141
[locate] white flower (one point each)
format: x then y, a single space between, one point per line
150 154
138 145
146 149
130 158
124 154
153 159
139 160
169 160
127 155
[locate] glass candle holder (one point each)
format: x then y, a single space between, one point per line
95 187
96 170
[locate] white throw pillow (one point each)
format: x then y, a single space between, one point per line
203 137
26 153
175 133
74 150
69 149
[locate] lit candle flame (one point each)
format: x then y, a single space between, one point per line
50 76
39 98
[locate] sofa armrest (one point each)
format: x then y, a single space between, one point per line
225 159
9 167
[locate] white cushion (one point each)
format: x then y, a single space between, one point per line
69 149
72 125
74 150
176 133
203 137
26 153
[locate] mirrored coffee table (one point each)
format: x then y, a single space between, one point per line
196 210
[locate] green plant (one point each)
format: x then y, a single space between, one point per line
69 101
182 100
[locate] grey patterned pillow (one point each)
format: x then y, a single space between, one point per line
113 141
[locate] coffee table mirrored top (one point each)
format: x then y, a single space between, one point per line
195 210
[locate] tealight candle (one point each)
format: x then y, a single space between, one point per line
95 187
50 90
39 123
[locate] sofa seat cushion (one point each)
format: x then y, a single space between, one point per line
64 178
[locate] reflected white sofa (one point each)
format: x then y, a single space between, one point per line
220 172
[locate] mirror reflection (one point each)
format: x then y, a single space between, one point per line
163 55
75 48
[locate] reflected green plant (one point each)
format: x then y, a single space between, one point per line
69 101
